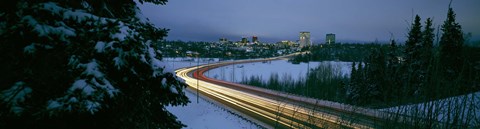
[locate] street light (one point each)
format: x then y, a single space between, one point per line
198 63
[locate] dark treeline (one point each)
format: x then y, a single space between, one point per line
321 82
218 50
341 52
418 72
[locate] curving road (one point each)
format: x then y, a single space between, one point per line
274 109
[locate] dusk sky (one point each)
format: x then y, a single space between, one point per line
275 20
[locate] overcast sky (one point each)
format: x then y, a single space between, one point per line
275 20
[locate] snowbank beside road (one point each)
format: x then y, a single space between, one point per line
206 115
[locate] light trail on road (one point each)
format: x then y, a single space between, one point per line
274 109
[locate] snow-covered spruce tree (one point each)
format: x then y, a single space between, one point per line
353 88
83 64
393 73
413 63
427 42
426 60
356 89
413 43
378 90
451 44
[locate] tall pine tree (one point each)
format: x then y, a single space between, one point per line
427 42
413 42
376 67
413 47
84 64
426 56
451 43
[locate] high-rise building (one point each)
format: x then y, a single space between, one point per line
330 38
223 40
255 39
244 40
304 39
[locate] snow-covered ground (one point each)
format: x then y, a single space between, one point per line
465 108
204 114
280 67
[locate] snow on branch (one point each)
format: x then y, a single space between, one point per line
99 82
124 32
157 66
30 49
89 90
46 30
16 95
139 15
93 89
81 15
77 14
92 69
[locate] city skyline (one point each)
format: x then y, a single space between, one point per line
276 20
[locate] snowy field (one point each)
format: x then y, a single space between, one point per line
204 114
280 67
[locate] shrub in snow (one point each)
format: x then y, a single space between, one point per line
84 64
